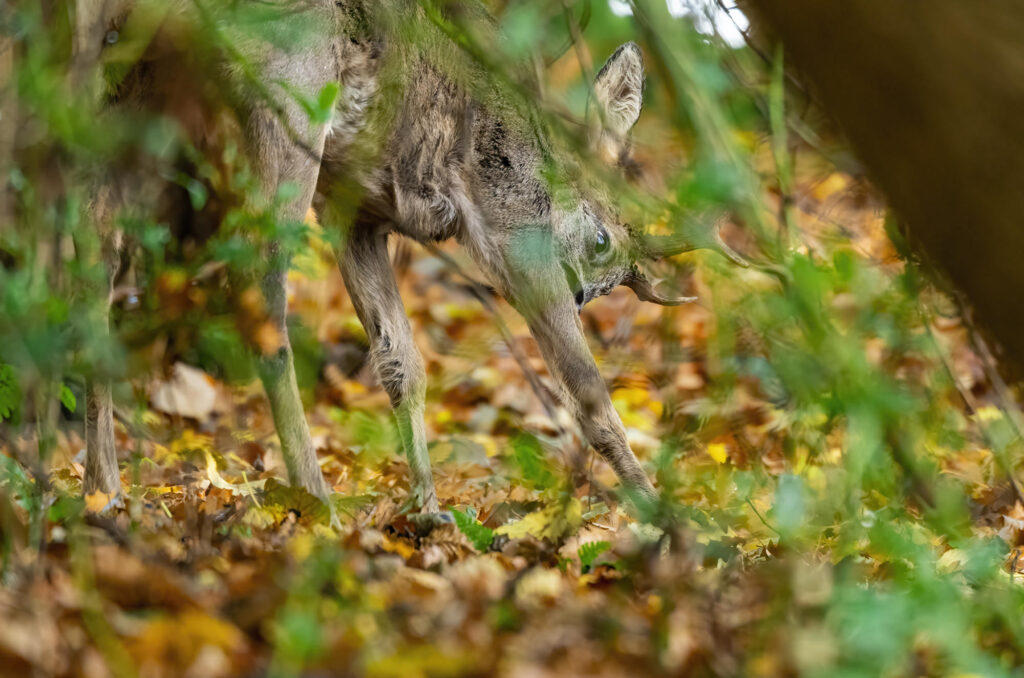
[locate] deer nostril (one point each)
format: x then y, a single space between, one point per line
575 285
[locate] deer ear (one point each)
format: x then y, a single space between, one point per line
618 90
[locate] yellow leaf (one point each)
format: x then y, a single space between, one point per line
172 644
163 489
833 184
538 587
259 518
632 396
989 413
554 522
420 661
397 546
151 418
214 475
487 443
952 561
718 452
190 441
351 389
745 138
311 219
816 479
800 463
634 406
96 502
162 455
301 546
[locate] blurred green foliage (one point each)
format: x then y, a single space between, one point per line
854 546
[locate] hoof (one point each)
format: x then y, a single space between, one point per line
427 521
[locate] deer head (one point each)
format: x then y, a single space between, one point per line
599 252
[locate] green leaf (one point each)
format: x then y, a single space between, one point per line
533 463
325 102
319 111
67 398
10 394
476 532
279 499
351 505
589 552
14 477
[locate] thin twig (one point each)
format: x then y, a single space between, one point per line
483 294
760 517
574 29
1007 401
759 52
586 64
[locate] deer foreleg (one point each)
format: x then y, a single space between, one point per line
540 292
279 160
101 470
559 335
277 372
371 283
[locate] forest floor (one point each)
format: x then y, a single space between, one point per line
213 567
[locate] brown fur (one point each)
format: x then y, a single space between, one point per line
430 152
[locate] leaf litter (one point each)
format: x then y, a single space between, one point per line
212 566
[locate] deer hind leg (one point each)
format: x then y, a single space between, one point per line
277 372
371 284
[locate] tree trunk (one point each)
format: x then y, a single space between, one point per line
931 96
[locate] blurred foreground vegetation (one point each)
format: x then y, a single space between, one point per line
831 439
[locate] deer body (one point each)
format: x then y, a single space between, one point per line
441 164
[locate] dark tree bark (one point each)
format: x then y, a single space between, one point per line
931 96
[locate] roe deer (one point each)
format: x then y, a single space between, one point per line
431 155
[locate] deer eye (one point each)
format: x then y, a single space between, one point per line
603 242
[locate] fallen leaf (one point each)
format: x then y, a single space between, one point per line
554 522
719 452
189 393
97 502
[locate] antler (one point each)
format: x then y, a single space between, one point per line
660 246
645 291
